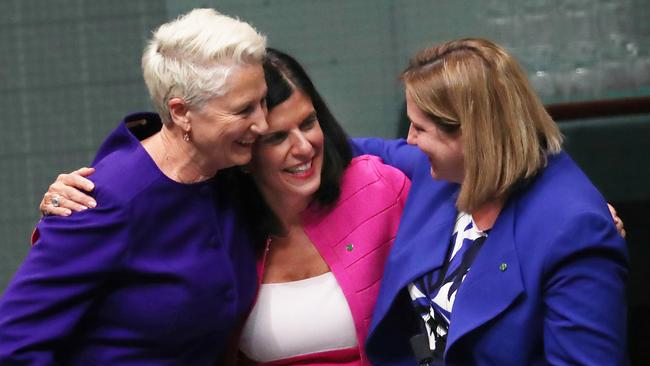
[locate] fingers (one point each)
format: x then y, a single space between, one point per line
77 179
84 172
619 226
73 198
617 220
66 195
47 207
612 210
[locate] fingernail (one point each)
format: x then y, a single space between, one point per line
84 208
67 212
92 204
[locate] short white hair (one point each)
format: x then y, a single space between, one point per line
191 57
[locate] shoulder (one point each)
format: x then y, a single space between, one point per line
366 170
123 175
396 153
561 190
368 188
564 213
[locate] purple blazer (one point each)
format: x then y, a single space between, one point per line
158 274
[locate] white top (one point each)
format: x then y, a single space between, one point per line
297 318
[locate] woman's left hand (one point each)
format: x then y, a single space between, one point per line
68 194
617 220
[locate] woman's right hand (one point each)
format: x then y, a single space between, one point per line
68 194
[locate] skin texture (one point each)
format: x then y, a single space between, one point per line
230 122
293 142
445 151
287 119
294 139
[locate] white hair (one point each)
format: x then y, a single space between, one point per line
191 57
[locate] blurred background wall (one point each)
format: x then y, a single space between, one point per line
69 70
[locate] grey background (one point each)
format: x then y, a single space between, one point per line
69 71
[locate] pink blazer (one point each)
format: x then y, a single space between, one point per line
355 235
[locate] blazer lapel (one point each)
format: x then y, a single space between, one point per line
493 282
421 242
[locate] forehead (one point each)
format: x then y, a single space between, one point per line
290 113
415 114
245 83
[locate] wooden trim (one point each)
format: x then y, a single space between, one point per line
599 108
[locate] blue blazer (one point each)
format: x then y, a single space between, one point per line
548 286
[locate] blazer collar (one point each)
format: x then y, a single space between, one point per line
494 281
422 239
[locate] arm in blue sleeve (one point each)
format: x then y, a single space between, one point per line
585 317
396 153
59 281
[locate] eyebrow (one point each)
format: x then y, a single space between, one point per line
416 125
247 104
312 116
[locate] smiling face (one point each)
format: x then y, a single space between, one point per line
288 159
225 128
445 150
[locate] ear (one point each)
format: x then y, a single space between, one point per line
178 111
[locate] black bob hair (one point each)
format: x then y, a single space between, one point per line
285 76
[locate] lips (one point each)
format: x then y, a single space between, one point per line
247 143
302 171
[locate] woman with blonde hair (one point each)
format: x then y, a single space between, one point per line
509 255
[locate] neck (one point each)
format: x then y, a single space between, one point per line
288 211
486 215
176 158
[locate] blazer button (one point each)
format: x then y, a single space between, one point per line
503 267
349 247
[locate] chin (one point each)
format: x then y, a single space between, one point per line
307 191
241 159
432 173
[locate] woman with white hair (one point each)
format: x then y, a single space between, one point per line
135 281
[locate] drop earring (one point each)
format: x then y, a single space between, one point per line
186 136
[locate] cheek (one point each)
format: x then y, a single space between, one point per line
429 146
269 158
318 139
458 150
257 159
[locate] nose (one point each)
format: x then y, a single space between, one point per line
259 125
300 145
410 138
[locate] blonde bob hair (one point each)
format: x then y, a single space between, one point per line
474 86
191 57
